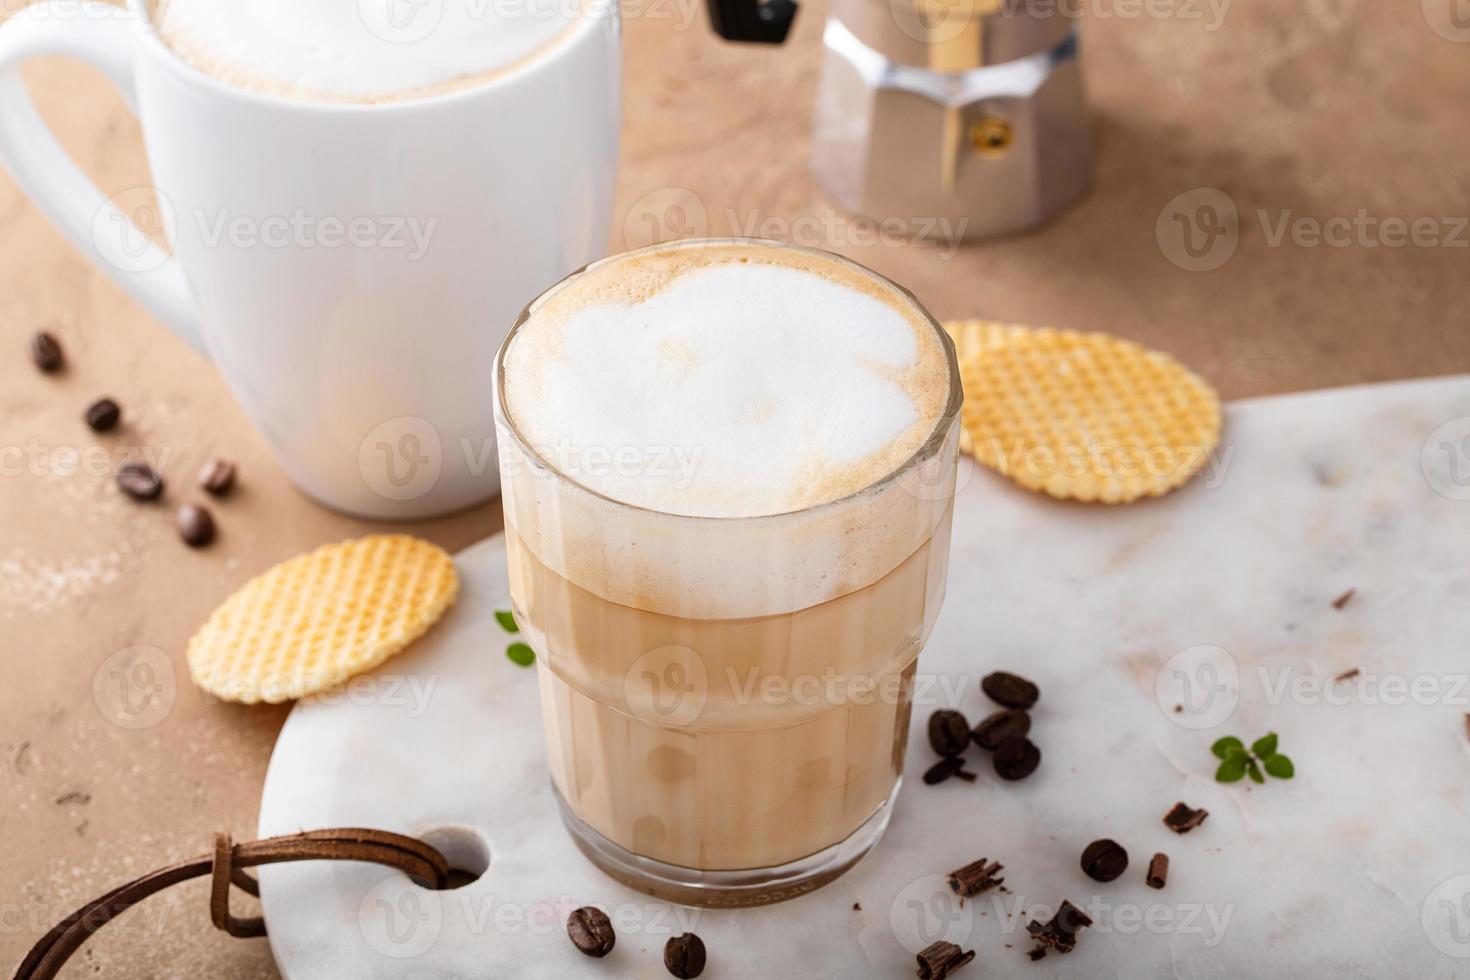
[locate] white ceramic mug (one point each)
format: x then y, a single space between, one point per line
350 268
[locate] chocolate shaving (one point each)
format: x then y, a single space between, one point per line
1158 871
1060 933
1182 819
857 906
1467 725
1346 675
967 775
1038 953
942 959
975 877
1344 599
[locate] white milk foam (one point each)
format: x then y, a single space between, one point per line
726 381
359 50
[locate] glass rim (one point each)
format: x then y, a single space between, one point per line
928 448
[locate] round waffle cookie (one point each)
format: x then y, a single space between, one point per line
1085 416
315 620
970 338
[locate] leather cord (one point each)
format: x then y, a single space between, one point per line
227 864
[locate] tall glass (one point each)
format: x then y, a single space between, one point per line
727 700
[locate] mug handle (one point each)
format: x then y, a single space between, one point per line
104 36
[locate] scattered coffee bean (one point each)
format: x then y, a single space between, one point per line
942 959
103 414
591 931
1158 871
942 770
949 732
1016 758
975 877
217 476
1104 860
1010 690
684 956
1060 933
1344 599
196 526
990 732
139 481
1182 819
46 352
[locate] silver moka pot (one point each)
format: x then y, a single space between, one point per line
969 112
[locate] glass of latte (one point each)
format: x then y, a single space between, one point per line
728 469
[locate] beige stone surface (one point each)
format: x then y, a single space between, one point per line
1319 109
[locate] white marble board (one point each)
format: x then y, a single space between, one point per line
1218 598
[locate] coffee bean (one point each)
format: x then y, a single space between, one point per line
217 476
1016 758
103 414
684 956
1010 690
139 481
1104 860
993 730
942 770
196 526
949 733
591 931
46 352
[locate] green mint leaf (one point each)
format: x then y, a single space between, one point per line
520 654
1238 754
1222 748
1280 766
507 620
1230 771
1255 772
1265 747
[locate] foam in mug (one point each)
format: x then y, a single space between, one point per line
360 50
727 380
797 398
